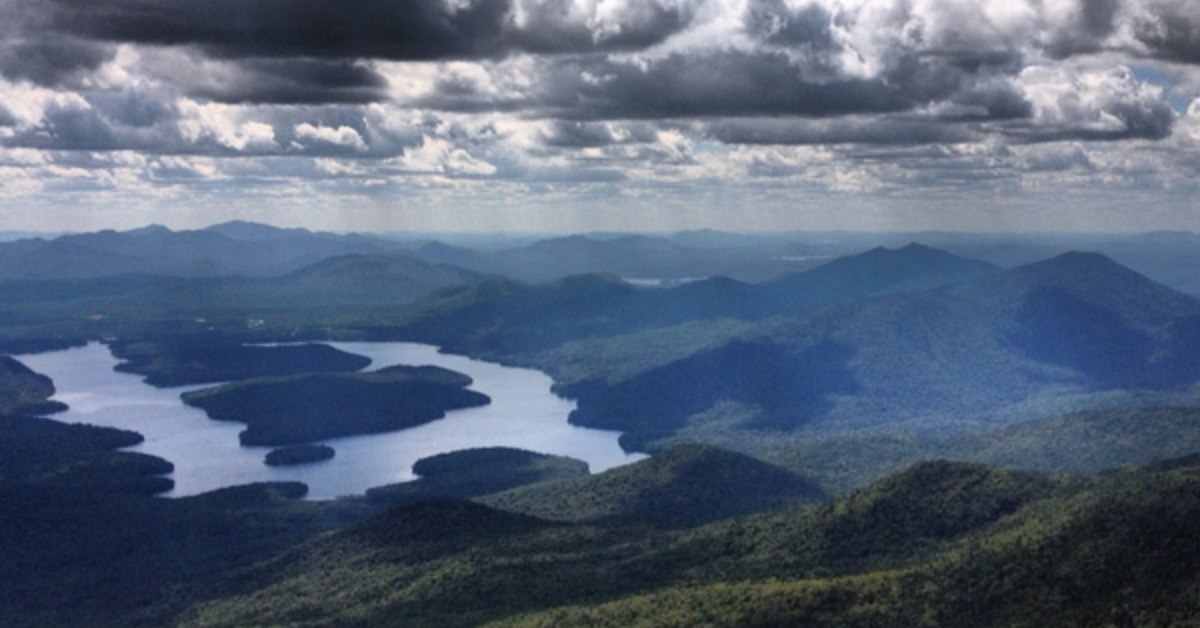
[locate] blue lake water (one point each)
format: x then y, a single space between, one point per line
523 413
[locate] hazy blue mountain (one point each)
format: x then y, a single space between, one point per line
958 356
256 232
1171 257
626 255
344 281
371 279
878 271
511 316
244 249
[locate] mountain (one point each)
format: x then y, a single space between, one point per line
514 317
255 232
1088 313
941 542
441 253
1028 342
686 485
243 249
633 256
1071 560
938 542
1088 442
1169 256
371 279
505 315
236 304
875 272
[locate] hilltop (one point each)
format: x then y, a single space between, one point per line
684 485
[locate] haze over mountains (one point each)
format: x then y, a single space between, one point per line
911 336
240 248
793 422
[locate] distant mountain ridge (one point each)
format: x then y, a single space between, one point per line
913 338
236 248
503 315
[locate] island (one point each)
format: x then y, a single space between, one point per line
201 359
316 406
298 454
469 473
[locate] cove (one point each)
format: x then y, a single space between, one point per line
524 413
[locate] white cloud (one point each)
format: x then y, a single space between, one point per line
338 136
229 126
439 156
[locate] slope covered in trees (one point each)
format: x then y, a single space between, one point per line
23 391
947 543
681 486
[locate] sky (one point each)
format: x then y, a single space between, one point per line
579 115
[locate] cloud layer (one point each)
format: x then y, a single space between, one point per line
716 112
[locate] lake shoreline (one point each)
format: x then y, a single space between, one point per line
525 414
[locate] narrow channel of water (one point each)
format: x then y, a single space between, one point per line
523 413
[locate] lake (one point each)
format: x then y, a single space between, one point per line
207 455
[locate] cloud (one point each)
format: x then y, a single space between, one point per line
857 130
52 62
1170 30
440 156
576 134
1091 104
342 136
588 100
704 84
376 29
285 81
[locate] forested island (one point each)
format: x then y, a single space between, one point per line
209 358
475 472
305 408
298 454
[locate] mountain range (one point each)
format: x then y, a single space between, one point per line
911 338
820 437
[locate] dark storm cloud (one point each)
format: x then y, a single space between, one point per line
69 128
132 108
707 84
1137 120
379 29
299 81
774 22
882 130
1174 32
51 62
989 100
413 29
1093 22
548 27
6 117
576 134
